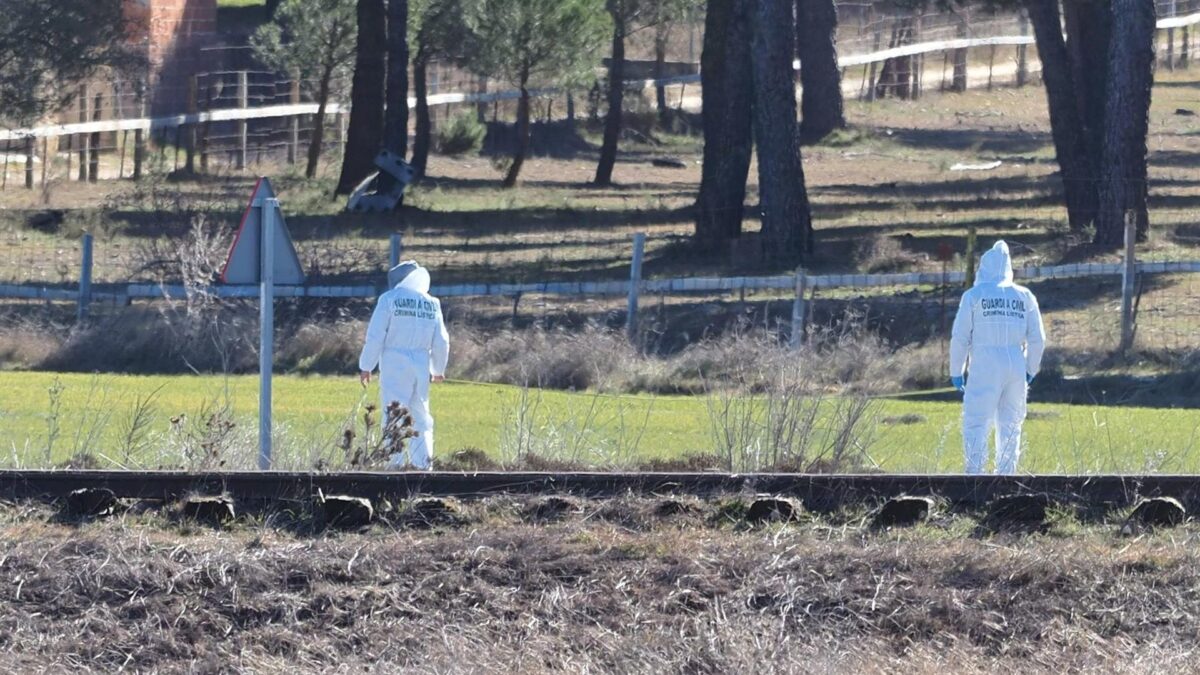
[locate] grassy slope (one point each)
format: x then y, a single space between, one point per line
313 411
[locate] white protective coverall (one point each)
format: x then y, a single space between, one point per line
998 332
407 339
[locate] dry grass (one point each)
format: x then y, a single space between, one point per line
850 358
604 587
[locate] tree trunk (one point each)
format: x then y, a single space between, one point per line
510 179
1127 115
896 75
365 129
1062 93
726 91
960 55
616 96
783 200
816 41
318 134
395 121
662 31
395 130
422 140
1088 28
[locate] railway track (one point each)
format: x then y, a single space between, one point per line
816 491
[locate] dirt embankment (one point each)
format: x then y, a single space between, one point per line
619 586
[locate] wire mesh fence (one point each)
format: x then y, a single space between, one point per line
859 321
886 51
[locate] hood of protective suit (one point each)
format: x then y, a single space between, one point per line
995 267
409 275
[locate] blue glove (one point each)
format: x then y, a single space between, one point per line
958 383
1029 378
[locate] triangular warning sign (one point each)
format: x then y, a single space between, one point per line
242 265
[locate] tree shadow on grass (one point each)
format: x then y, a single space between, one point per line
1170 390
973 140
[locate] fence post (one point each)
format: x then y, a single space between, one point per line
635 286
395 248
29 162
1128 281
799 310
243 102
85 278
294 141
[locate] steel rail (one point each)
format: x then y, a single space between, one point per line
816 491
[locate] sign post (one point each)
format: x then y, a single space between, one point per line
266 321
263 254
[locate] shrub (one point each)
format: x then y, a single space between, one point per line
883 255
462 135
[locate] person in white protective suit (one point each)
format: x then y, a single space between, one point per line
997 341
407 339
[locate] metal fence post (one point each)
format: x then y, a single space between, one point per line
266 319
799 310
635 286
1128 281
85 277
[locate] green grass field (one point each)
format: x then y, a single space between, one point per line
95 415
